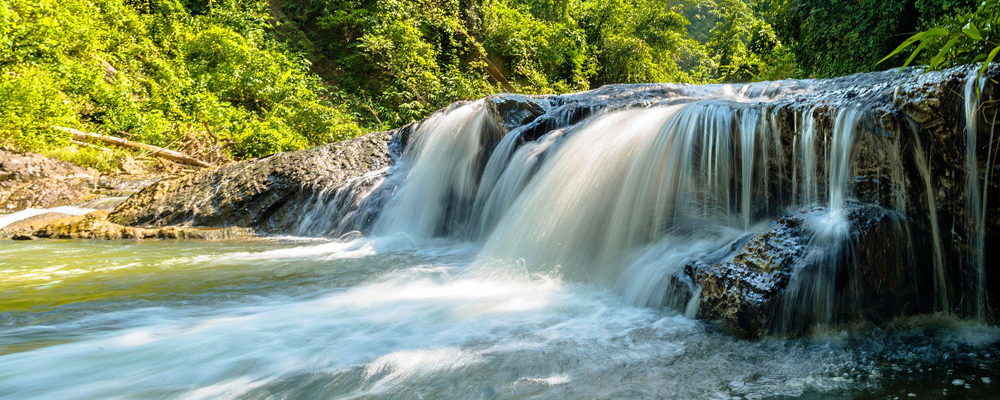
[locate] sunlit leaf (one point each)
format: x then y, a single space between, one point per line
940 57
971 31
986 64
914 54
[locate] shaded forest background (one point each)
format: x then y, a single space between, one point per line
247 78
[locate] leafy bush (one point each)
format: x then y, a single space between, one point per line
140 70
29 107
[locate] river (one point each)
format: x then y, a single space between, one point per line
381 318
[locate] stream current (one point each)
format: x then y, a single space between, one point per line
300 318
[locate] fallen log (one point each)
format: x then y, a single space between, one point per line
88 145
171 155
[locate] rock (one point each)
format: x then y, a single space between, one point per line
28 226
22 237
96 226
268 194
29 180
743 292
514 110
794 276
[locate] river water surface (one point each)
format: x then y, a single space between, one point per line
385 318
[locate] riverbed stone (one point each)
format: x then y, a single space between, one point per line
30 225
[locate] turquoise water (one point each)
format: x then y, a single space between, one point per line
380 318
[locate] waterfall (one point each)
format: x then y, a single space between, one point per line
624 198
748 136
975 203
924 169
840 156
564 215
629 186
441 167
506 176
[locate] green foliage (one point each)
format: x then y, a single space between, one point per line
833 38
141 69
636 40
29 107
104 160
268 76
545 54
964 39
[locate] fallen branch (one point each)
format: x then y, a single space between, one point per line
171 155
88 145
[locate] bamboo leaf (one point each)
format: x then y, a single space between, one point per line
971 31
914 54
920 36
939 58
986 64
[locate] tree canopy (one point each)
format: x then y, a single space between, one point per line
256 77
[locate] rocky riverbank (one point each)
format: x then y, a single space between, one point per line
31 180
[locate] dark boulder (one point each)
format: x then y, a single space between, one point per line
801 273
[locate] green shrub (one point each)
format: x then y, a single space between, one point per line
262 138
29 107
106 161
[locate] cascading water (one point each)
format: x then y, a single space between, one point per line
975 203
809 151
923 167
748 135
440 171
608 199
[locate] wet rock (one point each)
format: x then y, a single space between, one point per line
269 194
22 237
744 292
96 226
793 277
513 110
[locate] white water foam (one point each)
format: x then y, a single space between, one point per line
11 218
